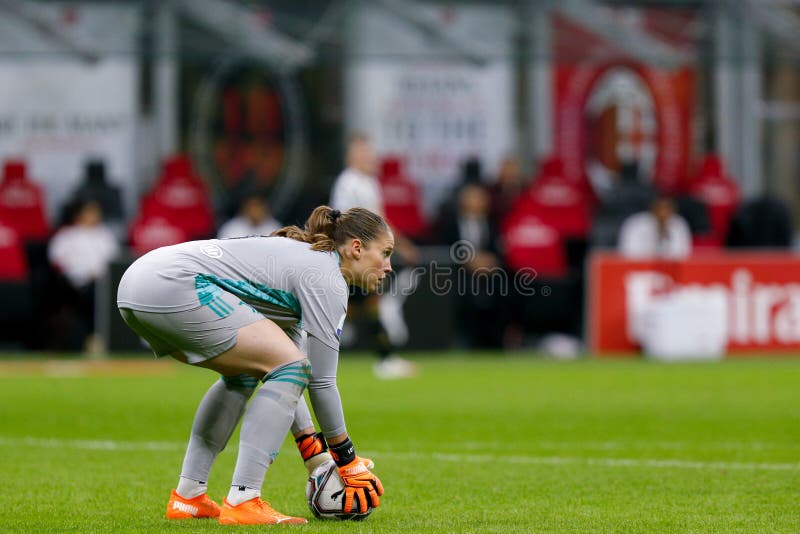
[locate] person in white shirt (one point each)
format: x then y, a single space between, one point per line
82 251
254 218
657 233
358 187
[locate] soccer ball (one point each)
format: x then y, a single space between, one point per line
325 495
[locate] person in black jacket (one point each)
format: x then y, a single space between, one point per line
471 235
763 222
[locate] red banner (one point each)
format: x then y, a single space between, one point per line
608 114
611 108
762 292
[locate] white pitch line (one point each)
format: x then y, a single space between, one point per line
93 445
111 445
603 462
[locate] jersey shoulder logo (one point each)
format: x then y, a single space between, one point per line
212 251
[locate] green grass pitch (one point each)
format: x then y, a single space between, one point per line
484 443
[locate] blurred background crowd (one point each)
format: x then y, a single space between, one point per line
536 131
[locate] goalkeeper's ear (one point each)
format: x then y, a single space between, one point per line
355 248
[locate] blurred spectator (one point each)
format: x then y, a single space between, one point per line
471 222
254 218
82 251
22 203
695 213
401 200
720 194
657 233
96 186
628 195
506 189
355 187
763 222
471 173
479 307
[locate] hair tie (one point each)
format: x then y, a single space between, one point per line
334 215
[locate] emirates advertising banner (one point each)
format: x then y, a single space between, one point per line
427 103
760 293
611 108
60 107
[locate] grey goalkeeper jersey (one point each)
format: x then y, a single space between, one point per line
286 281
294 286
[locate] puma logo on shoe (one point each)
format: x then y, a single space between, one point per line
183 507
194 508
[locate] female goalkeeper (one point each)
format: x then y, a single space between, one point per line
239 307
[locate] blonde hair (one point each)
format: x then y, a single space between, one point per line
327 228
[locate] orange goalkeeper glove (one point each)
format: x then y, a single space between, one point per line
359 482
311 445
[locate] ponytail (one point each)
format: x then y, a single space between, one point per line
326 228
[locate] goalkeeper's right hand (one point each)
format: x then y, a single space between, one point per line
360 481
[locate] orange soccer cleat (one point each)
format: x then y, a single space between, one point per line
255 512
196 508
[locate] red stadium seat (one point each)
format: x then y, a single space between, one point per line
720 194
182 198
13 262
16 302
531 243
150 232
22 203
551 213
401 200
557 200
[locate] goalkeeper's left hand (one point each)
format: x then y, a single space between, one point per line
361 482
358 480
